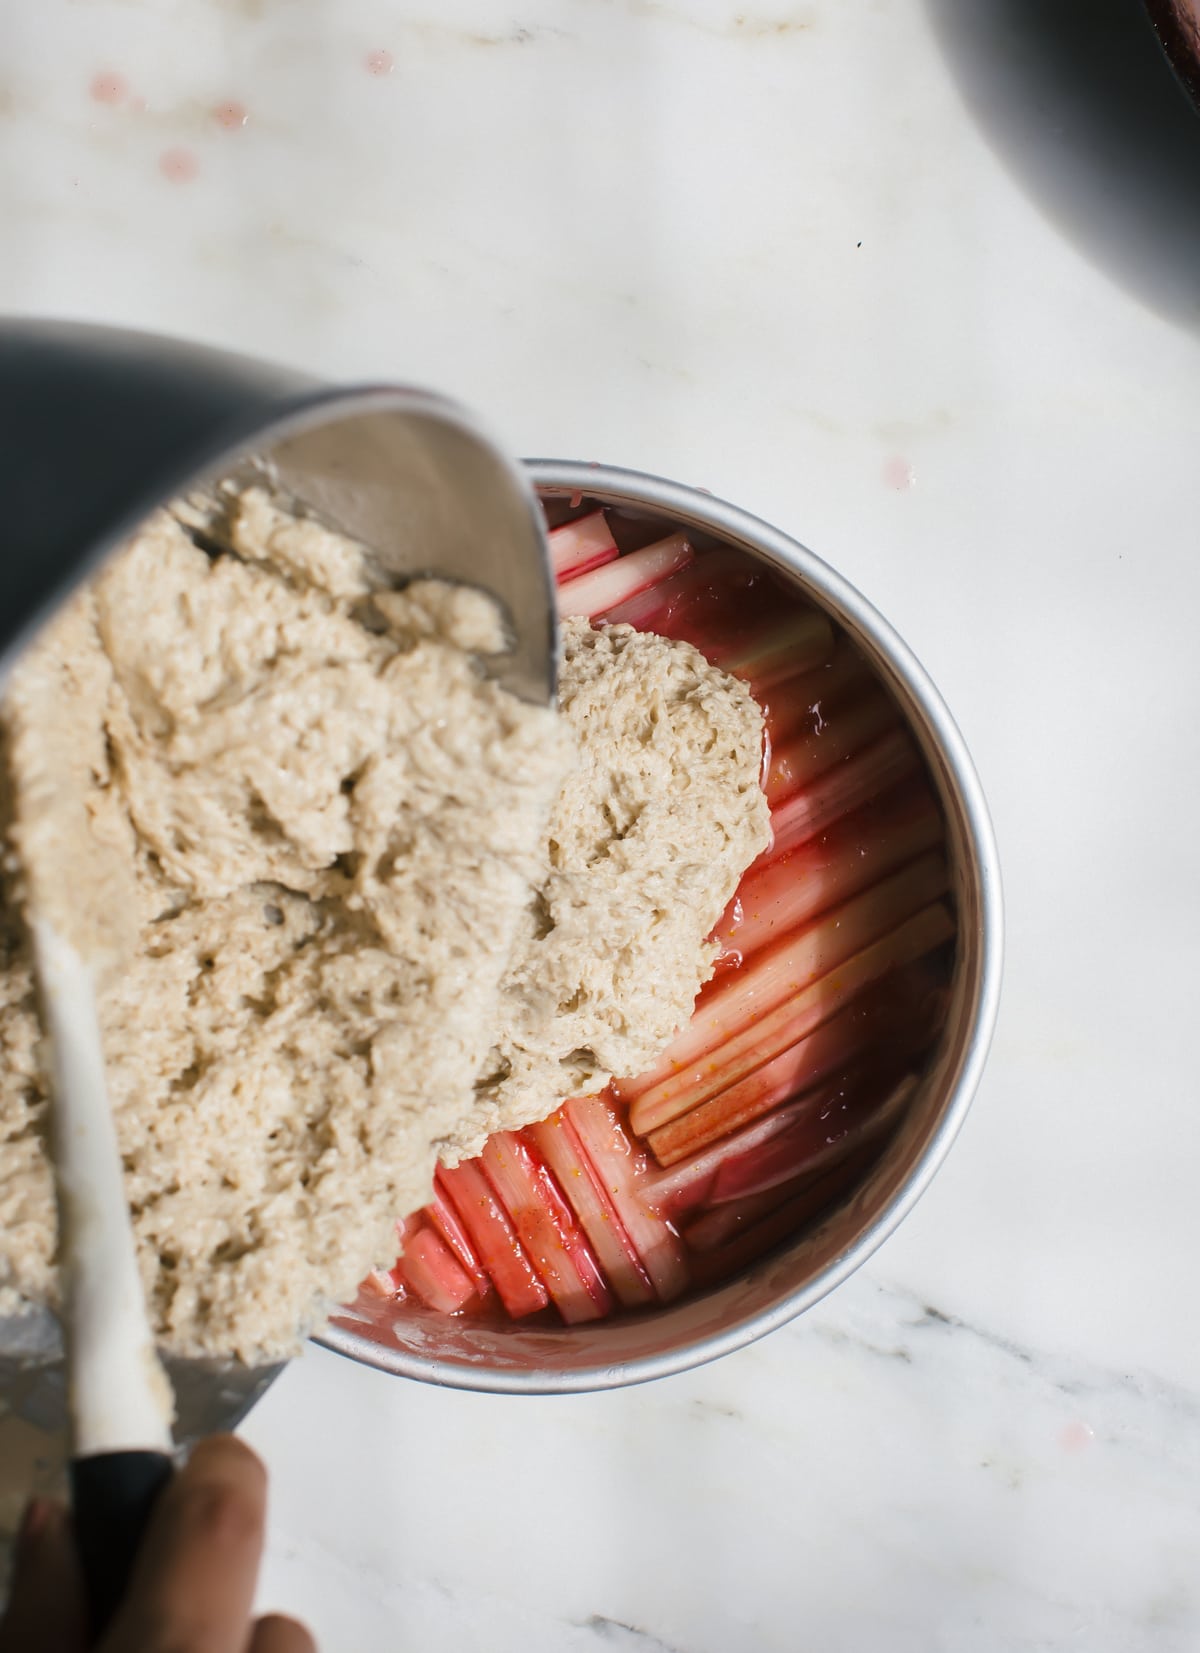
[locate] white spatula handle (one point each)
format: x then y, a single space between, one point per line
118 1394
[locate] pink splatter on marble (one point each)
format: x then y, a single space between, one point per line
231 114
1076 1436
178 165
108 87
138 105
898 475
380 61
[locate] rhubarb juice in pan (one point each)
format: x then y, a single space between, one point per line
806 1045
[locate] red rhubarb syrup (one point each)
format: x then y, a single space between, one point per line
806 1046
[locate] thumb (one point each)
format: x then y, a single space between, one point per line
46 1607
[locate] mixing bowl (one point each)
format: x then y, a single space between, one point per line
514 1358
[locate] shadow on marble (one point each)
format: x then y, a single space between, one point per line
1077 99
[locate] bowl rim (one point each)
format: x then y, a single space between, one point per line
706 512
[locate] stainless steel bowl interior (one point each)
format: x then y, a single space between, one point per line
414 478
515 1360
99 426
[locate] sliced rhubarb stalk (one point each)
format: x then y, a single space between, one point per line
776 650
557 1142
494 1239
595 593
429 1269
881 1026
788 968
851 1115
783 1222
784 894
445 1221
800 1140
720 1223
621 1167
811 699
546 1227
677 607
849 786
749 1186
648 611
581 545
381 1282
791 1021
801 761
797 1070
694 1182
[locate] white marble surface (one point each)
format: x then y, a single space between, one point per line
852 264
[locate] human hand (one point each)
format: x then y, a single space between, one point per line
192 1588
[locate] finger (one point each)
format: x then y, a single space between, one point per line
276 1634
193 1584
46 1609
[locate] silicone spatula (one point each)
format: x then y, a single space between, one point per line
119 1399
